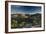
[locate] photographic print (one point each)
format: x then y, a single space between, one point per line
25 17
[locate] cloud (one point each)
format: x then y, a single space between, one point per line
25 9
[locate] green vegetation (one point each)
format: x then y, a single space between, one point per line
26 21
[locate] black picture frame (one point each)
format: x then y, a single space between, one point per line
6 16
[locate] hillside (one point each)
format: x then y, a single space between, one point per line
25 21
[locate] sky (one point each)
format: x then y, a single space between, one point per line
25 9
